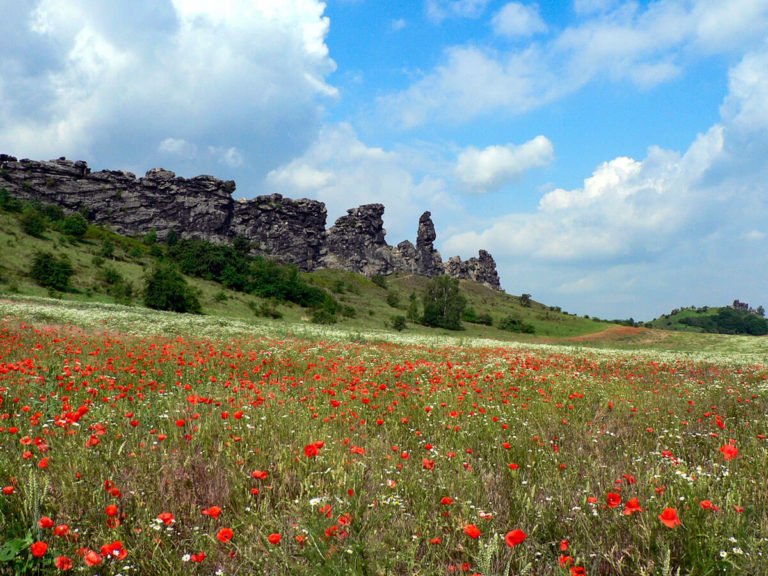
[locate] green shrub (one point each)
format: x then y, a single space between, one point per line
8 203
393 298
75 226
443 303
115 285
166 289
380 281
398 323
512 324
51 271
33 222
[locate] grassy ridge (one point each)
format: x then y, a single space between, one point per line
367 305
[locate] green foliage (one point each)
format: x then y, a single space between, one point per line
380 281
51 271
512 324
413 308
267 309
150 238
398 323
115 285
172 238
473 317
443 303
33 222
525 300
8 203
75 225
239 271
729 321
326 314
393 298
166 289
107 249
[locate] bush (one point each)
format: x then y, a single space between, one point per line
393 298
33 222
115 285
512 324
380 281
51 271
8 203
166 289
75 226
398 323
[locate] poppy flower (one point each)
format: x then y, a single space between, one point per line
38 549
613 499
565 560
446 501
213 511
45 522
515 537
224 535
260 474
92 558
8 490
578 571
669 518
274 539
633 505
472 531
63 563
729 451
707 505
310 451
111 510
167 518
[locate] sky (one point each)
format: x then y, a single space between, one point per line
612 156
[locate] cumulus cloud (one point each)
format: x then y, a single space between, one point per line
643 45
518 20
236 84
491 168
342 171
684 215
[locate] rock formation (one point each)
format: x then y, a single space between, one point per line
203 208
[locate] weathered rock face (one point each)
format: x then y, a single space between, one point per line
481 269
289 230
356 242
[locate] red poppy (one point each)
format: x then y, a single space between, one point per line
632 506
472 531
197 557
92 558
515 537
613 499
8 490
729 451
669 518
260 474
213 511
224 535
578 571
310 451
707 505
111 510
45 522
63 563
274 539
38 549
565 560
167 518
446 501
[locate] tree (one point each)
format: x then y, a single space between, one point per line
33 222
525 300
413 308
51 271
166 289
443 303
75 225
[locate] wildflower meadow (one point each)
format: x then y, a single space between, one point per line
159 451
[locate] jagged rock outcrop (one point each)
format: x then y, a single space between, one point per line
203 208
356 242
481 269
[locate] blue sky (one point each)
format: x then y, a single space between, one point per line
612 156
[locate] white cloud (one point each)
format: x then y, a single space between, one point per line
645 45
108 82
343 172
439 10
664 226
398 24
590 6
491 168
518 20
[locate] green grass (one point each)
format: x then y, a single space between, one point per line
365 302
174 414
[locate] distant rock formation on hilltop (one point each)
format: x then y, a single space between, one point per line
203 208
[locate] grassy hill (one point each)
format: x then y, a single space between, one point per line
713 320
109 268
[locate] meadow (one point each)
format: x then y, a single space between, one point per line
138 442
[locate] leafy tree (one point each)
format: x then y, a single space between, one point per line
399 323
51 271
413 308
172 238
393 298
525 300
8 203
166 289
443 303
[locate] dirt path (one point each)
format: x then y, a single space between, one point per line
621 334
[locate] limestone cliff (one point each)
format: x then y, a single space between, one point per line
202 207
